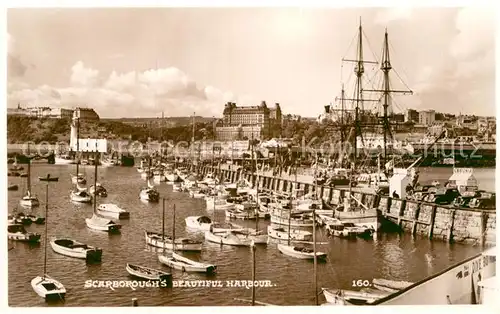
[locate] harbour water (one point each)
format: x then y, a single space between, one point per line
389 256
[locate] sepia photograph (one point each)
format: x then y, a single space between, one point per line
250 156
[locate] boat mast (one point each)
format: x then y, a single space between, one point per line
290 198
253 248
28 181
46 223
161 138
254 164
192 142
173 230
314 236
95 176
359 70
77 145
163 223
386 68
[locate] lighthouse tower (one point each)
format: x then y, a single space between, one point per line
73 138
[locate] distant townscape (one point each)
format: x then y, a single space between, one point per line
51 112
262 122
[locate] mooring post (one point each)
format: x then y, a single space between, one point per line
415 218
450 230
431 223
135 302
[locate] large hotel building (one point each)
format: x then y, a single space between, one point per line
247 122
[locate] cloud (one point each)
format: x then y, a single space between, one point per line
462 76
82 76
476 27
386 16
146 93
15 67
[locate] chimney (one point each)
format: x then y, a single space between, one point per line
327 109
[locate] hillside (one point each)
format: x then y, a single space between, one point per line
22 129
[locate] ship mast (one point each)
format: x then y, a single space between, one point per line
358 100
386 68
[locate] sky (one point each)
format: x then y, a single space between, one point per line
140 62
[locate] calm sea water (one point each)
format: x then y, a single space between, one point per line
390 256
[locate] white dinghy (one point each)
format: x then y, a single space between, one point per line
300 252
80 196
147 273
204 223
72 248
112 211
281 233
184 264
227 238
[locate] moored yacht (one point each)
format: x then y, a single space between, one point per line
98 190
80 196
149 194
29 200
78 179
165 242
278 232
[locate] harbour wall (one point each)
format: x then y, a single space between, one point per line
439 222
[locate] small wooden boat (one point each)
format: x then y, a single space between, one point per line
184 264
107 163
76 249
244 214
112 211
29 219
98 190
149 194
201 223
13 174
196 193
171 176
51 179
349 230
215 203
19 219
13 187
295 221
227 238
165 242
390 285
23 174
147 273
176 187
204 223
17 232
16 167
78 179
349 297
48 288
300 252
282 234
102 224
80 196
258 237
29 200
